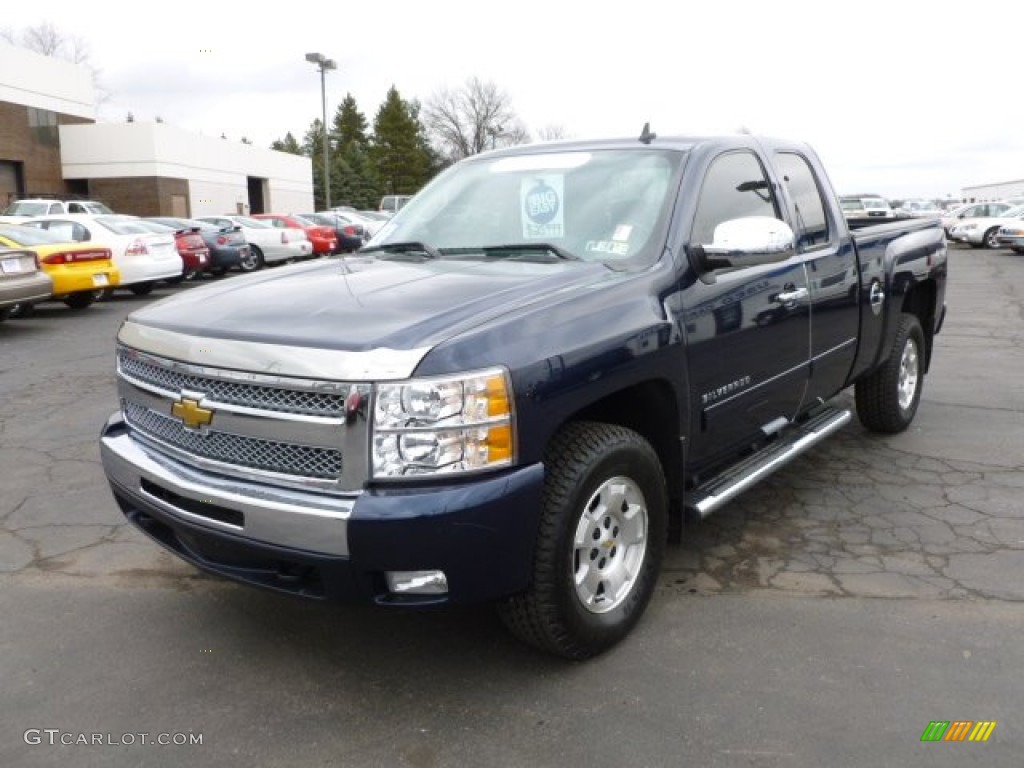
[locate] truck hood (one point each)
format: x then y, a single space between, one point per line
365 303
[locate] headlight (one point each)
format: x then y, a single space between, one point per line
443 425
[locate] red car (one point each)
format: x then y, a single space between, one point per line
324 239
195 256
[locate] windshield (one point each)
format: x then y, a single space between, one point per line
125 225
27 209
596 205
89 208
1014 213
245 221
24 236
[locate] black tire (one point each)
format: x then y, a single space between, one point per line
887 399
79 300
218 271
991 238
142 289
586 463
24 309
254 261
1017 249
5 312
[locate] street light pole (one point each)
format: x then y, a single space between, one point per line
324 64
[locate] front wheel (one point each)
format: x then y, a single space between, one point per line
992 238
887 399
600 543
253 261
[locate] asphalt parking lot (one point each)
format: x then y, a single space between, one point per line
823 619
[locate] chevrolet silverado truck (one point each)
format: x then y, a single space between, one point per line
507 392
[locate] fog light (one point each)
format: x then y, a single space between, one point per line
417 582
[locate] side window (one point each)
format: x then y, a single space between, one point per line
810 207
735 187
76 208
55 208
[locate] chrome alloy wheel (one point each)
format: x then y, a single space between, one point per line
909 374
610 544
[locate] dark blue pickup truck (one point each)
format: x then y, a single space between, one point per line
507 392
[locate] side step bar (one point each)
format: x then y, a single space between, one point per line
792 442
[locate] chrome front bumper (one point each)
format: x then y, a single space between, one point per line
276 516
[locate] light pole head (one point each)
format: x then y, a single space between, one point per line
315 58
329 64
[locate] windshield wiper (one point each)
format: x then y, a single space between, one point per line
529 248
409 246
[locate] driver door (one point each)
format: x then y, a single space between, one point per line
748 333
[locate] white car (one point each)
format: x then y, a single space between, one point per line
267 244
142 256
984 232
972 211
866 207
22 210
920 209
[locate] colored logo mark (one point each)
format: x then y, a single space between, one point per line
958 730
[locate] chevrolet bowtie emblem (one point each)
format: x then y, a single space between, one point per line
191 414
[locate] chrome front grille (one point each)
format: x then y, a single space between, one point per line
284 431
266 455
265 398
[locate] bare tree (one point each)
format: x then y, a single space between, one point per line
552 132
45 38
476 117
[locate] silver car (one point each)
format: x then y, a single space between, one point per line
21 280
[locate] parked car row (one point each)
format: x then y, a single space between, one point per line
986 230
78 258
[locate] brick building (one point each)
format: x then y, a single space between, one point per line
51 144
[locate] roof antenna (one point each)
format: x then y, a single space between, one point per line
646 137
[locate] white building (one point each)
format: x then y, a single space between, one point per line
984 193
50 144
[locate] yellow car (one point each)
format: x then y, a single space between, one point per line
79 270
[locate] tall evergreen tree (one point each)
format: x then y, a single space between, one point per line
349 124
287 144
398 147
313 147
353 176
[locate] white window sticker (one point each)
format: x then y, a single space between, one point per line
622 232
542 207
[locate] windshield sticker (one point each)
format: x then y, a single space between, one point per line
613 247
542 207
622 232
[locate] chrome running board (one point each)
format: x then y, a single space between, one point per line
793 441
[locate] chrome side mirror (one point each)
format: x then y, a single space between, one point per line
745 242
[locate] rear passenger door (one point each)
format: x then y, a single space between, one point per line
748 332
832 276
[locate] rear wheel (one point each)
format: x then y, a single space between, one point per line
888 398
24 309
600 544
253 261
79 300
219 271
141 289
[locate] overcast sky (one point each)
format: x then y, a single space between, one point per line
899 97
